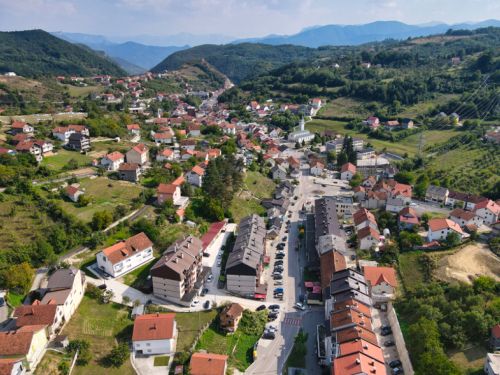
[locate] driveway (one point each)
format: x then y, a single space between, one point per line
4 311
379 318
146 365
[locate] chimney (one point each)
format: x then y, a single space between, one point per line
157 315
366 346
358 361
32 311
155 325
374 369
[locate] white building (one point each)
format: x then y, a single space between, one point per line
381 282
229 129
368 237
488 210
317 168
464 218
154 334
138 154
113 160
125 255
439 229
492 364
134 129
347 172
195 175
162 138
62 133
165 155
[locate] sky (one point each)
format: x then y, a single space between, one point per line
238 18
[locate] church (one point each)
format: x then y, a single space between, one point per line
301 135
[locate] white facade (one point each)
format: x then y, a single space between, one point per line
316 170
162 157
382 292
476 220
152 347
126 265
368 242
492 364
64 137
194 178
347 175
112 165
487 216
366 223
442 233
229 130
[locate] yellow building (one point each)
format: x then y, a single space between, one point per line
28 342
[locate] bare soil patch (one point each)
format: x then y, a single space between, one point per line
97 154
471 261
82 171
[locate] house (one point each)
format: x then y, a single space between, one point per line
109 97
113 160
406 123
366 65
195 176
165 155
368 238
62 133
389 171
330 262
382 283
344 205
455 61
391 125
138 154
347 171
208 364
282 163
464 218
366 153
492 364
360 192
134 129
27 344
373 121
21 137
12 366
65 288
275 132
186 154
194 130
129 171
368 182
317 167
295 173
160 138
80 129
178 273
364 218
21 127
188 144
229 129
488 211
154 334
30 148
316 103
454 116
168 191
278 172
376 199
334 65
293 162
495 337
126 255
230 317
467 200
408 218
437 194
45 145
78 142
180 214
73 193
440 228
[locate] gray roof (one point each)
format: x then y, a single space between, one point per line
325 215
62 278
301 132
390 169
77 136
138 310
366 150
278 168
439 190
282 148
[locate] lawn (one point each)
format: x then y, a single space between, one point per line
241 207
470 357
138 277
259 185
295 360
61 159
410 270
16 299
105 325
188 326
161 361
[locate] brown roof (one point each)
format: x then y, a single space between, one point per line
408 211
207 364
364 217
358 306
58 297
133 245
392 123
357 332
166 188
71 190
376 275
77 128
133 126
379 195
198 170
348 316
317 162
368 231
20 137
188 142
19 341
166 152
357 363
348 167
193 127
141 148
115 155
18 125
461 214
330 262
233 310
7 364
60 129
359 188
166 135
490 205
32 315
154 327
24 145
359 213
438 224
362 346
371 179
128 167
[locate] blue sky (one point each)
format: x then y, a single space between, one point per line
239 18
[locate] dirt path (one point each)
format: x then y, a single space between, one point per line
473 260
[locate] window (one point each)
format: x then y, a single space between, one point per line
148 344
149 350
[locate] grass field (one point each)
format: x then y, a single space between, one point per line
470 357
161 361
410 270
105 325
81 91
63 156
259 185
295 360
138 277
16 299
188 326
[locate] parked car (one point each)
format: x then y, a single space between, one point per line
282 244
219 263
273 307
210 278
2 302
278 277
272 328
280 256
397 370
276 273
395 363
272 316
385 326
301 298
389 343
278 283
103 286
413 204
206 255
287 231
195 303
206 305
351 245
386 332
348 241
204 292
269 335
279 268
300 306
106 276
278 289
260 308
353 257
285 238
219 256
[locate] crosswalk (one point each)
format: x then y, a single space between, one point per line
292 321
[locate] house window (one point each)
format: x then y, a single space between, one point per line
149 350
138 345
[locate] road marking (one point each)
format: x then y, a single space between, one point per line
292 321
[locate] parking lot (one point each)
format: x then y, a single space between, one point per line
379 318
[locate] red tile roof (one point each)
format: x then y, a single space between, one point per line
408 211
128 167
330 262
131 246
163 135
366 216
349 316
357 363
71 190
496 330
167 188
77 128
18 125
178 181
348 167
353 304
166 152
198 170
368 231
133 126
19 341
115 155
438 224
490 205
207 364
153 327
33 315
376 275
141 148
362 346
356 332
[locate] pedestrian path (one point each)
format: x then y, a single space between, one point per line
292 321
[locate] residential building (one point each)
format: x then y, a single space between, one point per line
126 255
113 160
129 172
282 163
21 127
65 288
327 230
12 366
154 334
408 218
391 125
80 129
394 189
488 211
138 154
74 193
30 148
229 129
376 199
278 172
168 191
342 285
495 337
382 283
46 146
208 364
466 218
316 103
440 228
62 133
165 155
48 316
195 176
467 201
230 317
160 138
360 192
317 167
389 171
437 194
330 262
347 171
285 190
366 153
21 137
26 343
344 205
293 162
394 205
368 182
194 130
295 173
492 363
368 238
186 154
177 276
78 141
407 123
245 264
188 144
336 144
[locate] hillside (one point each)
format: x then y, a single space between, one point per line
37 52
126 65
237 61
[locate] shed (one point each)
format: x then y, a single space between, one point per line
136 311
61 341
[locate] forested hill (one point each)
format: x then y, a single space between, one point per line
37 52
241 60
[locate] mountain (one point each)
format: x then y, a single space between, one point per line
180 39
432 23
81 38
138 54
126 65
236 61
335 35
37 52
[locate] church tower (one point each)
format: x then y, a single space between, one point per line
302 123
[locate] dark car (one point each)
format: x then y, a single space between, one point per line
272 307
278 263
353 257
389 343
341 227
285 238
206 305
278 277
385 326
386 332
323 185
269 336
260 308
397 370
206 255
301 298
395 363
149 303
287 231
280 256
2 302
348 241
272 316
103 286
204 292
351 246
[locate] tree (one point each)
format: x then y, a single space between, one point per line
119 354
331 156
300 343
452 239
142 225
297 145
212 210
186 189
355 180
18 277
126 300
404 177
420 189
101 220
176 170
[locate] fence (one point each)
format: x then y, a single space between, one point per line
203 329
404 357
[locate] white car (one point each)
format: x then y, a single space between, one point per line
195 303
300 306
413 204
219 263
220 255
210 278
279 282
274 328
